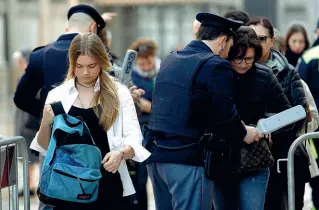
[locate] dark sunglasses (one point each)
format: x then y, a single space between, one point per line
263 38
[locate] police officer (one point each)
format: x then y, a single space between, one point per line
48 64
308 69
193 94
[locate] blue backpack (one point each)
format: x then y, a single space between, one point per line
71 168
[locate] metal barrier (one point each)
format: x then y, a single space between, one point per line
291 165
9 146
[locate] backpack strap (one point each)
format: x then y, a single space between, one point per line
57 108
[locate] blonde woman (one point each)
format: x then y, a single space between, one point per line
108 109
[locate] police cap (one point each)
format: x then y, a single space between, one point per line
222 25
83 8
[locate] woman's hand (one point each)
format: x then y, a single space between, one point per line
48 115
112 160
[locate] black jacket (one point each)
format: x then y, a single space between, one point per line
290 82
258 92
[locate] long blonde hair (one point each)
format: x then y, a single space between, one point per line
90 44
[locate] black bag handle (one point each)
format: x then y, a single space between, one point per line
57 108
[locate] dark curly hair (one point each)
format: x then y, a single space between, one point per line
263 21
245 38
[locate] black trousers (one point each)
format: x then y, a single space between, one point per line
139 176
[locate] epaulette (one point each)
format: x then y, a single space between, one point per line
311 54
38 48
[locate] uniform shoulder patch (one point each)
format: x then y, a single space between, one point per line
311 54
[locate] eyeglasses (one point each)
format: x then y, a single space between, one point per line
263 38
248 60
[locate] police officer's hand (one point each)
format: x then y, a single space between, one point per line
48 115
112 160
252 135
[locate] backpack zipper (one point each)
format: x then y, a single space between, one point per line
71 176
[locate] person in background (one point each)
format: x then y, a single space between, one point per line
291 83
316 42
279 42
280 46
313 124
296 43
25 124
144 74
143 78
237 15
308 71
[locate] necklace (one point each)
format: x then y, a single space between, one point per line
82 103
84 85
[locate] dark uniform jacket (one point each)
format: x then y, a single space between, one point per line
309 71
179 117
47 68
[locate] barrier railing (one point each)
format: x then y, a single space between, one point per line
9 170
291 165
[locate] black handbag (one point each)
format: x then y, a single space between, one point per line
253 157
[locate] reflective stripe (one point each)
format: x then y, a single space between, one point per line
311 54
313 149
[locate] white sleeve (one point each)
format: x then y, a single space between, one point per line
132 135
34 144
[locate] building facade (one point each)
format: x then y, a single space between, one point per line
30 23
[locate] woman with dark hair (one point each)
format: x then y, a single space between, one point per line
291 84
296 43
256 91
